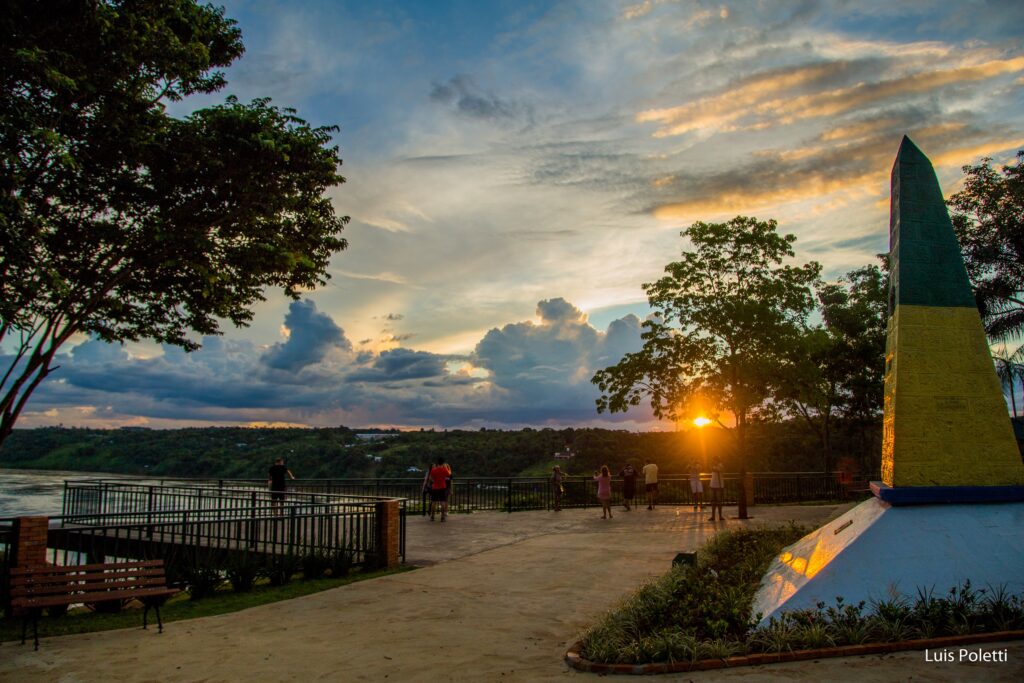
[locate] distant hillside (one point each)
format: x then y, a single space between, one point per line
342 452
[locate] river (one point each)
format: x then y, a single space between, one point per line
37 492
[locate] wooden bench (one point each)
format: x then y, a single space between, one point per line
33 589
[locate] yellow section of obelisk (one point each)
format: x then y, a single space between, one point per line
945 421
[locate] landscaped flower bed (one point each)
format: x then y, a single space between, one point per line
703 612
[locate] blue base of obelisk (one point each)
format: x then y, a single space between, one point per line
930 495
877 551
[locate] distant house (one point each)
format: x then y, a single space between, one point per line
567 454
375 436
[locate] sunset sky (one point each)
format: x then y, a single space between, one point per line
516 170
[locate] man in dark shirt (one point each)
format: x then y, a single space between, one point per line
276 480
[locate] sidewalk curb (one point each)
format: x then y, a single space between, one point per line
575 660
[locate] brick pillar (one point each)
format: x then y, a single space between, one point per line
29 546
388 529
748 488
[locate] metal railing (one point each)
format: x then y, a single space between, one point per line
505 494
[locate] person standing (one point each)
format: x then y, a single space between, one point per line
449 484
439 475
604 491
628 474
557 487
717 491
650 471
696 486
276 481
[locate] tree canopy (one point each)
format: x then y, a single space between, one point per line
988 217
124 222
724 316
837 368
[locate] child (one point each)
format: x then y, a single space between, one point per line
696 487
604 491
557 488
717 491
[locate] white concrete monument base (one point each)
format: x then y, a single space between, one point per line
875 551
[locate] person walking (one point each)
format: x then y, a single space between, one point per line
650 471
439 475
696 486
557 487
449 484
717 491
276 481
604 491
628 474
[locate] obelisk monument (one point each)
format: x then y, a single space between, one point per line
950 506
945 419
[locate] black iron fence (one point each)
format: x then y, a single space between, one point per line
506 494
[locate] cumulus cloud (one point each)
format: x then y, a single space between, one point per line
545 368
521 373
312 335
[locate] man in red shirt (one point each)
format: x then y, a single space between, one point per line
438 476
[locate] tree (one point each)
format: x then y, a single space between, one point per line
123 222
1010 368
988 217
724 316
838 368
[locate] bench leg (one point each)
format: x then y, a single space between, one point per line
159 622
34 614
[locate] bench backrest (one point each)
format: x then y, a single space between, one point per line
85 581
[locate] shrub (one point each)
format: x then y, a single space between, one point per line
315 564
242 571
340 563
708 601
279 569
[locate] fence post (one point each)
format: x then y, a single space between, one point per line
388 533
252 523
28 547
149 514
748 488
292 531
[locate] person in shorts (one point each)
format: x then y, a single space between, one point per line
650 471
276 481
439 476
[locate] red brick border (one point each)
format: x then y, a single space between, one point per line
575 660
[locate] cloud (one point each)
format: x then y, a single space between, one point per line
521 373
312 336
95 351
546 366
775 97
401 364
465 97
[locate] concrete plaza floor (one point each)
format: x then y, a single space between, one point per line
499 597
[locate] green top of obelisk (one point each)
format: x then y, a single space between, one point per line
927 266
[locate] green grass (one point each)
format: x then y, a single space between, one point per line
180 607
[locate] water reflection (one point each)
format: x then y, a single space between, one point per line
38 492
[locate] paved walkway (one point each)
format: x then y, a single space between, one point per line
499 599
